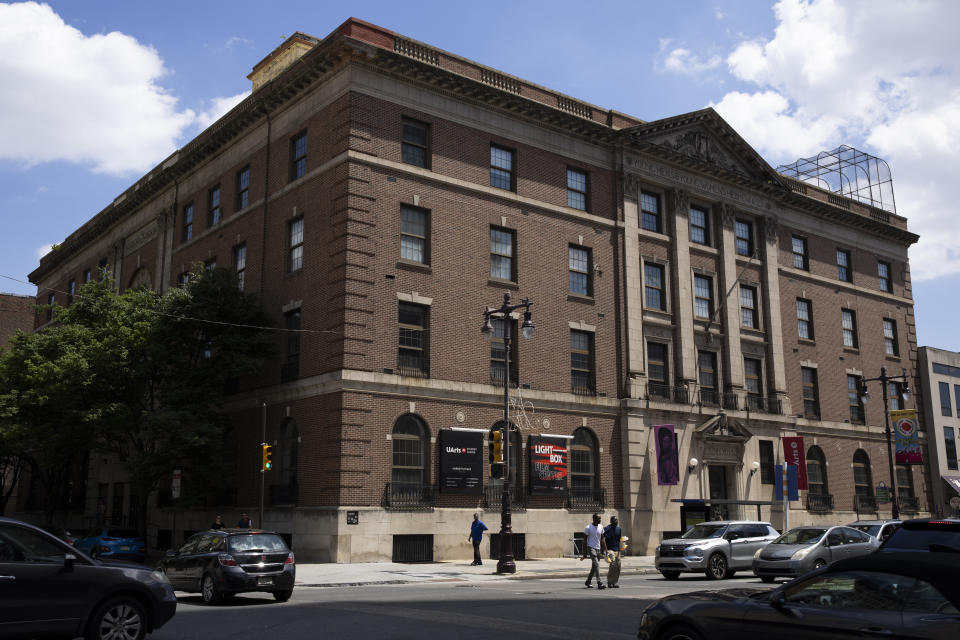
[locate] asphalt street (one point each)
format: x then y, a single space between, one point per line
541 608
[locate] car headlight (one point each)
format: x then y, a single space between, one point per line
159 576
694 552
658 549
643 619
756 556
800 555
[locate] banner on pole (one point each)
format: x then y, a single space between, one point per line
908 450
795 456
792 493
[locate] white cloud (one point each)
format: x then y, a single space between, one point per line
682 60
237 41
44 250
881 76
91 100
218 108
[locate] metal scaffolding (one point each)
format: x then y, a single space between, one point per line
848 172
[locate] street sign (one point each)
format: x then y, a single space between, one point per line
882 492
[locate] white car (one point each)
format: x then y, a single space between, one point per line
719 548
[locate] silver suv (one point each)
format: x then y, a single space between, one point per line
718 549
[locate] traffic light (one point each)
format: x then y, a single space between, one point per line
498 446
267 455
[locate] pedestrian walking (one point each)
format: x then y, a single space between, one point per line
476 535
594 546
217 524
611 536
245 522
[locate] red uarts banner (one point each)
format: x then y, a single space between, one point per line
794 455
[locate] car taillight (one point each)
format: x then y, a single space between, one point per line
227 560
109 539
289 559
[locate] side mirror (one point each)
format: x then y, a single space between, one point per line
68 560
778 600
732 536
170 553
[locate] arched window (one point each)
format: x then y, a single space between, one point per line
583 461
816 472
862 478
409 451
286 461
515 451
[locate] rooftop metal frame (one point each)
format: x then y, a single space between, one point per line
848 172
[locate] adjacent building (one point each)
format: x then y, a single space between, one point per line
940 375
693 307
17 313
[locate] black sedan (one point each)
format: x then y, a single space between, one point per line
897 595
48 588
225 562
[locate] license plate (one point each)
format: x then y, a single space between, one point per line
124 548
264 580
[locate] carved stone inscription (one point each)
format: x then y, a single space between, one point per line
723 452
721 191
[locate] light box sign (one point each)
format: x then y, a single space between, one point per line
548 465
461 462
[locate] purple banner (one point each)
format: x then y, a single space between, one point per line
668 464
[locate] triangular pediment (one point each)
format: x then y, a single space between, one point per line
722 426
705 139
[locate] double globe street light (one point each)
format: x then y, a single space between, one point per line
506 564
884 379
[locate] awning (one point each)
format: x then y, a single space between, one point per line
953 481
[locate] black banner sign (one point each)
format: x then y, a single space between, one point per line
548 465
461 462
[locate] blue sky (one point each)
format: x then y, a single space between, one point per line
98 92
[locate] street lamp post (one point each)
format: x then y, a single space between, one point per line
883 379
506 564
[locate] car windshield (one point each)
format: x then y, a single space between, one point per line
931 537
872 529
805 535
122 533
257 542
701 531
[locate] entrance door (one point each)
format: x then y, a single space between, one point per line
718 491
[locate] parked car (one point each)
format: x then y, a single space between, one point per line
49 588
896 595
113 542
60 532
719 549
879 529
806 548
925 534
229 561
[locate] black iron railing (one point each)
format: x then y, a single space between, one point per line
771 404
410 497
583 386
710 397
865 504
494 496
414 366
731 401
496 377
668 393
909 504
586 499
819 503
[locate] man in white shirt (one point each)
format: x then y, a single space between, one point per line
595 546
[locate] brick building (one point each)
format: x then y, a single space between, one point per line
939 372
16 313
378 194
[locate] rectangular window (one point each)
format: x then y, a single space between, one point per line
854 399
744 237
582 380
188 222
848 322
653 286
800 258
890 337
243 188
699 226
950 444
703 296
213 206
86 275
577 189
210 264
298 156
71 291
883 273
804 319
956 396
657 367
748 307
51 300
291 357
502 256
894 396
240 264
296 245
650 212
811 395
581 282
414 226
412 357
945 408
753 382
707 376
905 481
183 279
844 272
415 147
501 168
498 353
767 462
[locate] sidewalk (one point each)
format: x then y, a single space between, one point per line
382 573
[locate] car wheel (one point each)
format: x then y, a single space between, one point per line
768 579
282 596
208 590
680 632
121 618
819 564
717 567
671 575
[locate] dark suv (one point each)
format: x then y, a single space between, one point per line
925 534
229 561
